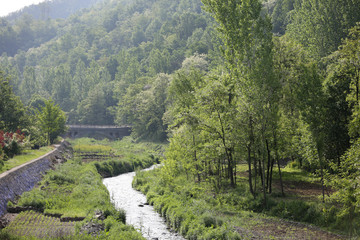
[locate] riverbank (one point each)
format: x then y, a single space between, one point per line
199 210
74 193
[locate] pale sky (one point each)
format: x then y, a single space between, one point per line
8 6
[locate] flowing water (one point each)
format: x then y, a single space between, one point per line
143 217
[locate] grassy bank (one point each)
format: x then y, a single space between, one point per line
200 211
112 158
26 156
74 190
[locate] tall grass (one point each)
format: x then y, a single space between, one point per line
92 148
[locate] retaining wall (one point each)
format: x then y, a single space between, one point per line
23 178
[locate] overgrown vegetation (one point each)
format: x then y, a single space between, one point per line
203 211
75 190
121 156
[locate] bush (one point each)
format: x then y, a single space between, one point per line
293 164
61 178
113 168
212 221
11 143
118 215
35 199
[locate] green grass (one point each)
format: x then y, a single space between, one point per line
26 156
72 190
126 147
92 148
296 174
128 155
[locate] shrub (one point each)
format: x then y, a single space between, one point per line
118 215
293 164
212 221
61 178
35 199
11 143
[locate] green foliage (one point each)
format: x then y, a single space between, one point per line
346 181
320 25
35 199
280 15
87 62
143 108
252 98
12 111
51 121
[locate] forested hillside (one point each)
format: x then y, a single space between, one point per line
225 82
52 9
93 57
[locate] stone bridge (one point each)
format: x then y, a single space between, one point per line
98 132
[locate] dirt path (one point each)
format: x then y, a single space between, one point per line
282 229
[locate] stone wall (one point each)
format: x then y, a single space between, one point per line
23 178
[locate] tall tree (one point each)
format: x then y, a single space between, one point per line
247 50
51 120
28 85
12 111
321 24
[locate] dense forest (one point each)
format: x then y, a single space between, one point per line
223 82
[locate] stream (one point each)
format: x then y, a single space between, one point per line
143 217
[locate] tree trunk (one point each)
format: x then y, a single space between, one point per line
230 166
261 168
271 175
196 161
263 156
268 164
322 180
256 173
278 163
250 177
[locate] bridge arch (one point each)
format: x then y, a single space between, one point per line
98 132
